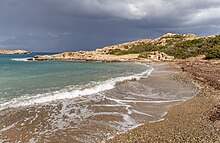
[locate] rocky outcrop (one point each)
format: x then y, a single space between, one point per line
156 56
93 56
14 52
89 56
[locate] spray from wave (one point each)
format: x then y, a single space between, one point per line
21 59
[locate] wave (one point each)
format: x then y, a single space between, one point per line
21 59
73 93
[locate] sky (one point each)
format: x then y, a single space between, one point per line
72 25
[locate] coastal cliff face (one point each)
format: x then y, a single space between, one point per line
14 52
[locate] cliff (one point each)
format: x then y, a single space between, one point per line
14 52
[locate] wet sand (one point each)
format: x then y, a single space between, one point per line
196 120
95 118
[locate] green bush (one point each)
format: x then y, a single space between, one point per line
118 52
180 53
137 49
213 53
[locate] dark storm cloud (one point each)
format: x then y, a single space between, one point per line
70 25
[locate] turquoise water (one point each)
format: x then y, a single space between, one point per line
28 82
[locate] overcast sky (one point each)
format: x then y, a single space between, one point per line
71 25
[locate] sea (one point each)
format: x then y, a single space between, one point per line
79 101
24 83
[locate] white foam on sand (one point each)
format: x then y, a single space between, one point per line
68 94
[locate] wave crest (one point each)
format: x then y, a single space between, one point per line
20 59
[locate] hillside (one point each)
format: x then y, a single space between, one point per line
165 48
180 46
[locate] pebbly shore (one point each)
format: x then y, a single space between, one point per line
196 120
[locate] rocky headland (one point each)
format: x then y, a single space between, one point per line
168 47
105 54
14 52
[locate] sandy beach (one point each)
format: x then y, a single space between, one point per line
196 120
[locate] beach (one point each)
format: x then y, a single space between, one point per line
196 120
109 71
101 116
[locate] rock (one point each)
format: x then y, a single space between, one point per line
14 52
156 56
30 59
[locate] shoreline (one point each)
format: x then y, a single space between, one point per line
183 81
123 114
194 120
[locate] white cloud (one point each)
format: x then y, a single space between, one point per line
204 16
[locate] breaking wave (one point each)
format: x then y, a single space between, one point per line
20 59
68 93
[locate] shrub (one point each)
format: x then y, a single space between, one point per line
213 53
118 52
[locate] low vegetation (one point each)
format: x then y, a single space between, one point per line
138 49
177 47
213 53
